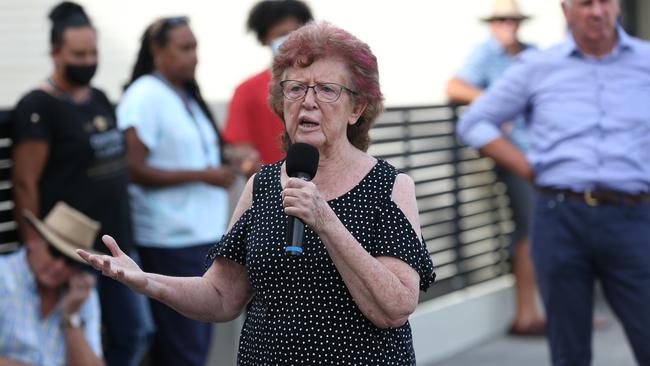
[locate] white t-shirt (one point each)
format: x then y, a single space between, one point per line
185 214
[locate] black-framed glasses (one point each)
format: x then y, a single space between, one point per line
325 92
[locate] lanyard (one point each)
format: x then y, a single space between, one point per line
186 99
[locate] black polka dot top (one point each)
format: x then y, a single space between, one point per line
302 313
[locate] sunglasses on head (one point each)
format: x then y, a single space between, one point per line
166 23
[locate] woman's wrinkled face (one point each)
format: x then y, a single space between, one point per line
315 122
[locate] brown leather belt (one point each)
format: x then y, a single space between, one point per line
597 197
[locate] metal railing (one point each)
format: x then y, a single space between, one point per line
464 213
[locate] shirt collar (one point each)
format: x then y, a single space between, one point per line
25 275
623 43
494 45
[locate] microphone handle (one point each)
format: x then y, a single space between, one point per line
296 228
297 232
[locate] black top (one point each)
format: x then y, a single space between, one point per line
86 164
302 312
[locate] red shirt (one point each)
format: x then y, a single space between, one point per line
251 120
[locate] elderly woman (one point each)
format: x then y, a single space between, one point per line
347 299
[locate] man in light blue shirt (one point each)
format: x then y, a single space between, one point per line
589 155
484 66
49 307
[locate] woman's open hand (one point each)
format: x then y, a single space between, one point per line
117 266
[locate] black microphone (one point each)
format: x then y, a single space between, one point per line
302 162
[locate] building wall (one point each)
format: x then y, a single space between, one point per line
419 43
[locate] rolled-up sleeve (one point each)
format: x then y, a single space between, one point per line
500 103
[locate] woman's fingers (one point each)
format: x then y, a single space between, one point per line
111 244
83 254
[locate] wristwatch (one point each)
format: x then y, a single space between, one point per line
72 321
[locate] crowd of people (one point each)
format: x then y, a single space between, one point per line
568 128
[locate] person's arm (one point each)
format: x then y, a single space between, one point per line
385 289
142 173
480 125
219 295
7 362
78 350
507 155
460 91
29 158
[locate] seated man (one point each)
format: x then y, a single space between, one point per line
49 309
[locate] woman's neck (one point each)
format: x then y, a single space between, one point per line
63 87
339 170
173 82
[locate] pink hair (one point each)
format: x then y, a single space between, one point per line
319 40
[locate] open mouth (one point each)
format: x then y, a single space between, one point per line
308 122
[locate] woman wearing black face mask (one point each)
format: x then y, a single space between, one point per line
67 148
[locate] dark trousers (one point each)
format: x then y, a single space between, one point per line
179 341
574 244
127 321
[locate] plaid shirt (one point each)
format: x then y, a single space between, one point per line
24 335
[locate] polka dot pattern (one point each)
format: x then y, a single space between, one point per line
302 312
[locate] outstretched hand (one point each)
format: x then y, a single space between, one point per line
117 266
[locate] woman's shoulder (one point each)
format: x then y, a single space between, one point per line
146 86
269 172
385 170
100 96
35 97
382 178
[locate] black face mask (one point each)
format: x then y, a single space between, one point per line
80 75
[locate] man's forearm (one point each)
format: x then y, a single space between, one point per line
8 362
78 351
508 156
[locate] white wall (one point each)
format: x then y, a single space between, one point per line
419 43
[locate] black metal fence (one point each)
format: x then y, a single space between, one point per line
463 211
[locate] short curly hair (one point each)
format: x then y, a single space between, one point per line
320 40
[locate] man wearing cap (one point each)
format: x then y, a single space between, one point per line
589 158
483 67
49 308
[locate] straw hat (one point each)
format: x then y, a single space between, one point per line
505 9
67 230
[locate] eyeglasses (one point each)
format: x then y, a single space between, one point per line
325 92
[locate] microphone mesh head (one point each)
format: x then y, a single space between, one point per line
302 158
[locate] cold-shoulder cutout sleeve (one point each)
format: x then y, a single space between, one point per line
395 237
233 244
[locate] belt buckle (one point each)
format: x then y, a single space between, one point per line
589 199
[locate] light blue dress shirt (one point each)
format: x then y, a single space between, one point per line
24 335
588 117
178 137
484 66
